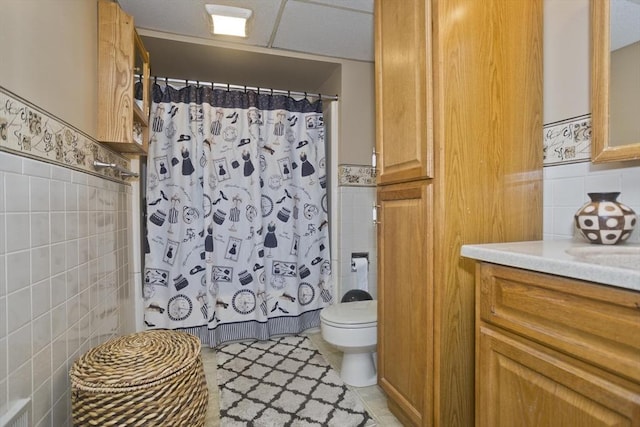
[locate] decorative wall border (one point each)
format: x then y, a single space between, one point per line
29 131
567 141
356 176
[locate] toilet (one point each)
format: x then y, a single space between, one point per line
352 328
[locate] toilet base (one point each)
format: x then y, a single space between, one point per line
358 369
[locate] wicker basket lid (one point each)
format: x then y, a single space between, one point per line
135 360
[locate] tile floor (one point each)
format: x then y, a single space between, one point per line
372 397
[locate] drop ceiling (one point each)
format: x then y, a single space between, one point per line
281 34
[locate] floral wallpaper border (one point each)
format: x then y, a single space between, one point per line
29 131
567 141
356 176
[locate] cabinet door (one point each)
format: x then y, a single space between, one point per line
524 384
405 293
122 59
403 90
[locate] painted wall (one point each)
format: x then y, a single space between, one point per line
61 81
566 95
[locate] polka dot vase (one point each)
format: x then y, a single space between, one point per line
604 220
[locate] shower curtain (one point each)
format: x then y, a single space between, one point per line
237 242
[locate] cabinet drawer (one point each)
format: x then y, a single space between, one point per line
595 323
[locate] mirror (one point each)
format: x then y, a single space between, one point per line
615 80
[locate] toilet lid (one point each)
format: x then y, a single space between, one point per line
351 313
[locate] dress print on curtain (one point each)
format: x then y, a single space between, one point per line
237 225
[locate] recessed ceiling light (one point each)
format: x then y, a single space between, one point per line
228 20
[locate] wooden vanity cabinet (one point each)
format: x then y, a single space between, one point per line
554 351
122 61
459 134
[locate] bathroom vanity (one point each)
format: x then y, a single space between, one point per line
557 334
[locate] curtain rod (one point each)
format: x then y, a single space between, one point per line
228 86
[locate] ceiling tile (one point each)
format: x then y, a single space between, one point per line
323 30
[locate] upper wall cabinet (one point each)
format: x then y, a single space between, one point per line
122 61
403 90
615 82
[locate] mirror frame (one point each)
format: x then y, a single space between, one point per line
600 65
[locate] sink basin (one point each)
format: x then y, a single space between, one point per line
612 256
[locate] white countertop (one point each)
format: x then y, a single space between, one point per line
615 265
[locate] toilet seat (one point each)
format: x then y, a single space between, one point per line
351 315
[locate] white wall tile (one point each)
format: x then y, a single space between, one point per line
45 280
19 310
36 168
71 197
3 275
2 204
16 193
3 317
57 195
603 182
19 349
40 298
18 270
71 225
39 194
569 194
10 163
568 191
3 240
40 223
61 174
18 232
19 382
42 400
58 289
58 320
58 258
41 328
58 228
40 264
3 359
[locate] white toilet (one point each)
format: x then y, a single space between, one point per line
352 328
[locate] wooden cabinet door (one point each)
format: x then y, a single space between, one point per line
405 294
404 123
520 383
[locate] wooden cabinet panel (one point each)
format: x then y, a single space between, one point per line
458 116
404 292
595 323
404 119
555 351
122 121
521 384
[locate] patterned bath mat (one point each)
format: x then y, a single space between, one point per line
283 382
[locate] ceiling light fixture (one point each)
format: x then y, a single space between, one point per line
228 20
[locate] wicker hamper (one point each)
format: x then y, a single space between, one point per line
152 378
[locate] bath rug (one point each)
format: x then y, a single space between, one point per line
283 382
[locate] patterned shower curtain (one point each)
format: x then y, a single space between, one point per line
237 224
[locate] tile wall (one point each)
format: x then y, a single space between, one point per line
64 278
356 230
566 188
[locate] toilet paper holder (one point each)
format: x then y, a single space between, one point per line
355 255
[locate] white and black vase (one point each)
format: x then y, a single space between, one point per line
604 220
